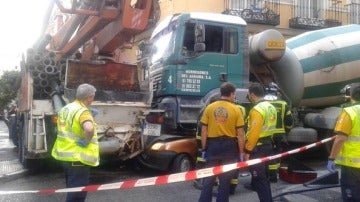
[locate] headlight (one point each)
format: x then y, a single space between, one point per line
158 146
155 118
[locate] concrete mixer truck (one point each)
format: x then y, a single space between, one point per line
191 54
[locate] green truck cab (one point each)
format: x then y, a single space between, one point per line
191 55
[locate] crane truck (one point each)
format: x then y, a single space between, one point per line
191 54
87 43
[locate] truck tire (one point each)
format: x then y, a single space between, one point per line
181 163
327 146
302 135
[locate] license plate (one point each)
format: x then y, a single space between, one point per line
152 129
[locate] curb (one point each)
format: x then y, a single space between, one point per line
13 175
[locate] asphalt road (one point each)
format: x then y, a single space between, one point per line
14 177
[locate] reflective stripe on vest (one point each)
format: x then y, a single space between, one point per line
200 159
70 131
280 107
353 139
268 112
349 153
86 159
74 136
274 166
340 159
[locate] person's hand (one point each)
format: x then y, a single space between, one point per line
331 166
94 111
204 155
82 143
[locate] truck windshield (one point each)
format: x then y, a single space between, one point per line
163 45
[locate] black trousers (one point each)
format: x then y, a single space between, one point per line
76 175
259 178
219 151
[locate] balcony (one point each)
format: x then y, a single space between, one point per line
312 23
256 15
265 12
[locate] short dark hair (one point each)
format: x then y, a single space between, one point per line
257 89
227 88
355 91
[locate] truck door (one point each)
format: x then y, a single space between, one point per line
204 70
236 49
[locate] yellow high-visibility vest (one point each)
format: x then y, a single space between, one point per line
280 107
70 131
350 153
243 111
268 112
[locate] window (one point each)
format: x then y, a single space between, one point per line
309 8
231 41
239 5
354 9
189 38
213 38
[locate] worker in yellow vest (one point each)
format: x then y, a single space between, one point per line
346 148
76 145
284 123
258 139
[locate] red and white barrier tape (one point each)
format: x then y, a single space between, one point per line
178 177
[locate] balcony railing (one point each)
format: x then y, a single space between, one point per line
256 15
312 23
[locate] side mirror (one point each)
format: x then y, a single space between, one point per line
346 90
199 33
199 47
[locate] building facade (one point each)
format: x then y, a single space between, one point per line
290 17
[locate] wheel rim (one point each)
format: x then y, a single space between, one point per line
185 165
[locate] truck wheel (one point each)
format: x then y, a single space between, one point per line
302 135
181 163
